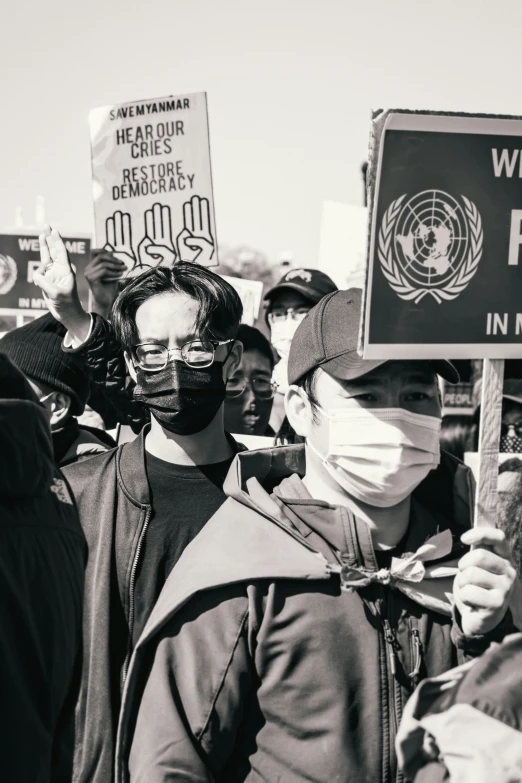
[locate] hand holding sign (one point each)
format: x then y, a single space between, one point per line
485 581
119 238
195 242
157 248
103 274
57 279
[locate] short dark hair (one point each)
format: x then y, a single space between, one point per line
220 307
254 340
307 383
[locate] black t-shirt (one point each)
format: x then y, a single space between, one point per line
183 498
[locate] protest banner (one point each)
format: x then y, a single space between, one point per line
443 261
20 300
152 182
250 293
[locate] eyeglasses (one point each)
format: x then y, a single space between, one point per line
278 315
262 388
153 357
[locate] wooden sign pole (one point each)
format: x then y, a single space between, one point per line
486 513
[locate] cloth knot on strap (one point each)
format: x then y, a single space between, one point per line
407 568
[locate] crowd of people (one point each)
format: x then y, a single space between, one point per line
181 607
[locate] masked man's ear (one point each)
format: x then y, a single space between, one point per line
130 366
299 411
234 360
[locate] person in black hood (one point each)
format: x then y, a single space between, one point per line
42 564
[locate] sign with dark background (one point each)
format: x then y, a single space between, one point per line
445 256
20 299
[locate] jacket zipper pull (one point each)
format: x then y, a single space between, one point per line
390 640
417 657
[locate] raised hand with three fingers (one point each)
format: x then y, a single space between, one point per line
57 279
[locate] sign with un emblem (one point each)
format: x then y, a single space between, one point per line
445 251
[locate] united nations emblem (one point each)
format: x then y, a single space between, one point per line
430 244
8 273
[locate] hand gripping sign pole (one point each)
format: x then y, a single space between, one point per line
445 254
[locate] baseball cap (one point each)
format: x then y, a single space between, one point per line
311 283
327 337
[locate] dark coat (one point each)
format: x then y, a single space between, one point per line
42 563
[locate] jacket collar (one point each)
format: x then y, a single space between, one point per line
132 472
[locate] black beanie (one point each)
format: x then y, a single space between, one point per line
36 349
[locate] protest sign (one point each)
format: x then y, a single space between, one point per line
152 182
443 260
342 245
457 399
20 299
250 293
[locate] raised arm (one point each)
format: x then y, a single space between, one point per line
90 337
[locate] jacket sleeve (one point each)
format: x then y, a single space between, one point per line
192 702
101 356
469 647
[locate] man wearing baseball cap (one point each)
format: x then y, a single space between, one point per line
287 303
324 589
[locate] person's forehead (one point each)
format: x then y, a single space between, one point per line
254 362
286 297
172 314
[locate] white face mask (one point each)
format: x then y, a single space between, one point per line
380 455
281 336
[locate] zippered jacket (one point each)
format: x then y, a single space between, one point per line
42 564
256 665
113 498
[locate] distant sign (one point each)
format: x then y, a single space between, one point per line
152 182
20 299
457 399
445 261
250 293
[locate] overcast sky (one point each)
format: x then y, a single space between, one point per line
290 85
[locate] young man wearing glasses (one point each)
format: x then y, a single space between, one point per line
287 303
140 505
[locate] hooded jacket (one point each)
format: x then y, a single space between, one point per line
256 665
42 563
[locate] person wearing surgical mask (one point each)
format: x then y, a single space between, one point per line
287 303
330 583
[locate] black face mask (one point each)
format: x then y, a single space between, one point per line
183 399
